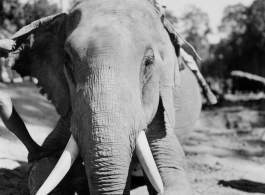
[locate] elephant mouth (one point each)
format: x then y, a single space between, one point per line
71 152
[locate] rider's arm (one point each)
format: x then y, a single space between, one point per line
15 124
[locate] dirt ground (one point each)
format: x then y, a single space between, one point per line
226 148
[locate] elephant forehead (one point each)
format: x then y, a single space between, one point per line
136 16
105 44
95 6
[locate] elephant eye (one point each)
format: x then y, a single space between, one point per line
149 60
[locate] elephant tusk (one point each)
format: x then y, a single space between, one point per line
148 163
62 167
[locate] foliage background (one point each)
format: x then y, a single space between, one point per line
242 48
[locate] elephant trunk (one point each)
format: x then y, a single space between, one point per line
107 154
105 125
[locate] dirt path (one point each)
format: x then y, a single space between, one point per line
225 146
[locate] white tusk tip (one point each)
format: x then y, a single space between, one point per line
160 190
146 159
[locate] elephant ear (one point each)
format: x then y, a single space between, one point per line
40 53
169 80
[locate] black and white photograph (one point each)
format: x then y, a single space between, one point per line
140 97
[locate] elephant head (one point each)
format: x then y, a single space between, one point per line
121 70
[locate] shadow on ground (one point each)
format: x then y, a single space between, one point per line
244 185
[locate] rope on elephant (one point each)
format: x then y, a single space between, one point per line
184 40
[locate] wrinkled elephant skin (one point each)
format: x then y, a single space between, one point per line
125 78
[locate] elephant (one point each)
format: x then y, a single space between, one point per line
111 71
